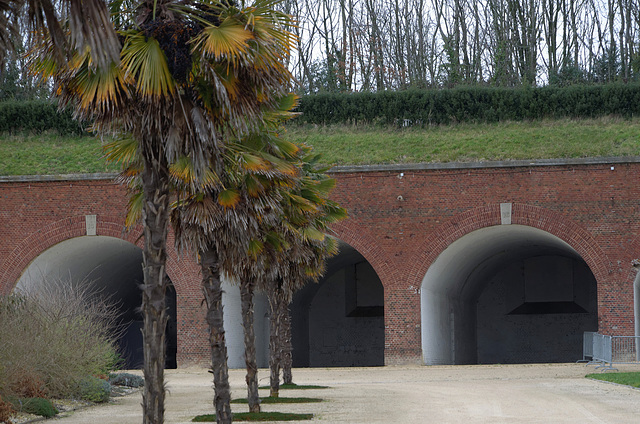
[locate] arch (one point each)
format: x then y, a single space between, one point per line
50 235
475 251
339 321
359 238
528 215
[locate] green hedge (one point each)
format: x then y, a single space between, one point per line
470 104
36 116
417 107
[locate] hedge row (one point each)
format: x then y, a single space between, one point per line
410 107
470 104
36 116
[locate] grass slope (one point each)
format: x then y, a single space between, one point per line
349 145
50 154
474 142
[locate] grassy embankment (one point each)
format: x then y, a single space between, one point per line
348 145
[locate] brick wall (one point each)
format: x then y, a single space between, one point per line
401 219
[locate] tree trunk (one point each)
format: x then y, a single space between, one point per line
285 333
275 359
246 298
155 214
212 288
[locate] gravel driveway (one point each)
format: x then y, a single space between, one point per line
556 393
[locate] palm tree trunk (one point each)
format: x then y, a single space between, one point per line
246 298
156 218
274 340
212 288
287 357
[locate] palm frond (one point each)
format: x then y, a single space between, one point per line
122 150
229 198
145 62
226 41
134 209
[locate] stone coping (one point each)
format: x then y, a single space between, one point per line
485 164
373 168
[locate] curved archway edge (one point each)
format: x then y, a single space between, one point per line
486 216
39 241
358 238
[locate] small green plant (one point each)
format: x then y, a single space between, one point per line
293 386
126 379
257 416
36 406
94 389
270 399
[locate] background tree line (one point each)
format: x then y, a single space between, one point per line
375 45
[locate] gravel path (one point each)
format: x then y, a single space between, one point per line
556 393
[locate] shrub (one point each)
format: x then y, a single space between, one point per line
36 406
52 338
94 389
6 410
36 116
470 104
127 380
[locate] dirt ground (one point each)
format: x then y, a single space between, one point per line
556 393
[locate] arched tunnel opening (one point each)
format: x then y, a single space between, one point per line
112 268
507 294
339 321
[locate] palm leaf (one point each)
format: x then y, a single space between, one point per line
134 210
325 186
229 198
225 41
255 248
122 150
313 234
144 60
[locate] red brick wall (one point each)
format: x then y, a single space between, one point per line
35 216
591 207
400 224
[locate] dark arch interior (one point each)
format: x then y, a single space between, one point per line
113 269
339 321
507 294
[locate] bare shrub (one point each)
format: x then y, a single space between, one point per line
6 410
53 337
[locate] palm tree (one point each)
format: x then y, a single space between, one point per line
297 252
187 77
220 222
218 216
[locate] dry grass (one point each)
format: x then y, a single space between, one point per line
51 338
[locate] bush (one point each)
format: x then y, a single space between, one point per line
470 104
36 116
36 406
94 389
52 338
6 410
127 380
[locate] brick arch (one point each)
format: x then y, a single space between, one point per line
75 226
360 239
522 214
